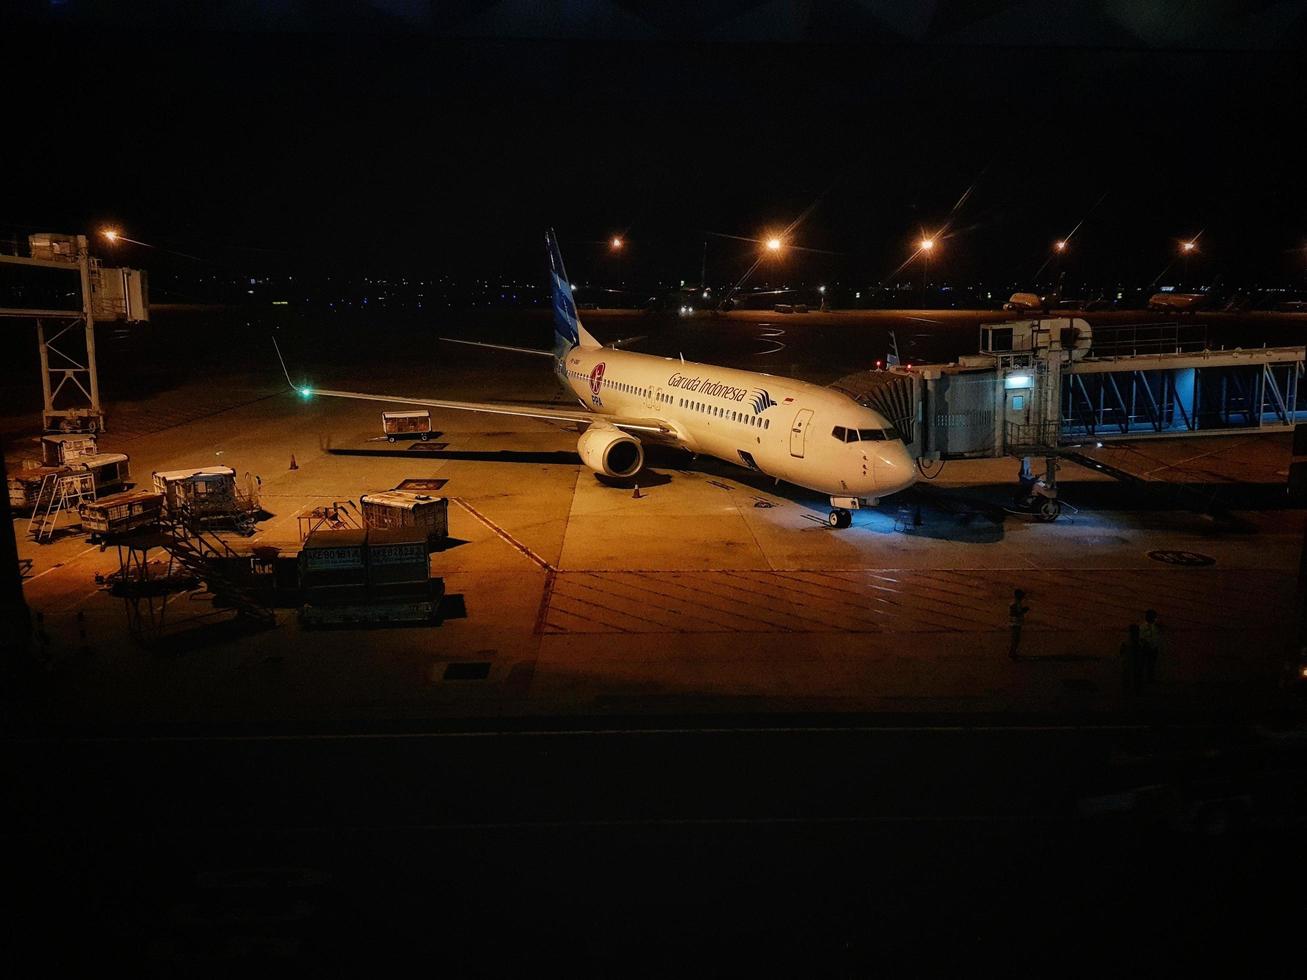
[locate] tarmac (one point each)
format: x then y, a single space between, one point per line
709 590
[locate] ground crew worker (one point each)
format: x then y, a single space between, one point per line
1016 615
1131 661
1150 644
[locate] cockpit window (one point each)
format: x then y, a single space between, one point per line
879 435
839 433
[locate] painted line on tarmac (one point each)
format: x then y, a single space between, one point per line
500 532
62 564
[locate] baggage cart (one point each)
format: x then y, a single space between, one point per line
406 425
120 512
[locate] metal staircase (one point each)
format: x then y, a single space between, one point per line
57 493
225 573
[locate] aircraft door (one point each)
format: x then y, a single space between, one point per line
799 432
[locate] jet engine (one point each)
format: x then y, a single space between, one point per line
609 451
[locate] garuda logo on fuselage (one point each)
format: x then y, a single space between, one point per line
761 401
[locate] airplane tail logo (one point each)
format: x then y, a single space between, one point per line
566 323
568 332
761 401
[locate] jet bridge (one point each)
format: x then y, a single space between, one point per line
1043 387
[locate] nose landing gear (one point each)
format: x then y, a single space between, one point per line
841 510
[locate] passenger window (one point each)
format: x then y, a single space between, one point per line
766 423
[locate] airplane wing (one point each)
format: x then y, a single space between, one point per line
515 350
578 416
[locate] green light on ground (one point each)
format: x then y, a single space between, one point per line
306 392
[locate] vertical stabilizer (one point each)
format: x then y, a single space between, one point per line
568 332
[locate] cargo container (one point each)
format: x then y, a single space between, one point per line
405 509
406 425
367 576
333 566
120 512
398 566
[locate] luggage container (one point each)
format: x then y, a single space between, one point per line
110 471
25 484
120 512
406 425
333 567
207 496
58 450
393 509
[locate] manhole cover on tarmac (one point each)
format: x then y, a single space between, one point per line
1189 558
464 671
422 486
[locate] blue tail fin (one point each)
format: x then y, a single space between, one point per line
568 332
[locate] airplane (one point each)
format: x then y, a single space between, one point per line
813 437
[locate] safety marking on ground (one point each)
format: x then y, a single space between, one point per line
504 535
889 601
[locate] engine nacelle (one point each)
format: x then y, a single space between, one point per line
609 451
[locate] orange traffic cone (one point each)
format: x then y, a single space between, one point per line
293 465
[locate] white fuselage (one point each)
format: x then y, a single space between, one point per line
783 428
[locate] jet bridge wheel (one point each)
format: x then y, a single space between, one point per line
1048 510
840 518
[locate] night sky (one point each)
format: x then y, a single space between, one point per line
417 152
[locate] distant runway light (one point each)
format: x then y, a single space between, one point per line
773 244
110 234
1189 247
616 243
927 244
306 391
1060 247
821 289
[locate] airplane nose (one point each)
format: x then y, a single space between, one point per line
894 470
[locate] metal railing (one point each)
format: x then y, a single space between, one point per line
1119 340
1032 435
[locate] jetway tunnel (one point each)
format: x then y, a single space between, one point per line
1043 387
1043 384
